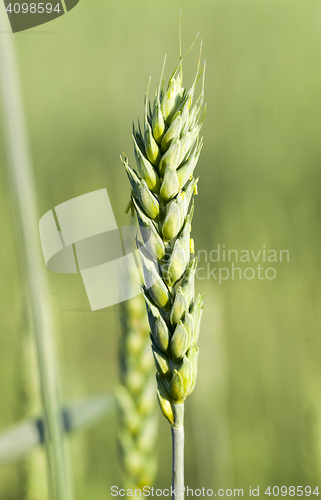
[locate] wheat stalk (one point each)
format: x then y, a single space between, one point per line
137 407
166 151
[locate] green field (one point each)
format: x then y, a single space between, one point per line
254 418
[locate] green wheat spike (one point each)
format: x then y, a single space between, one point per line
167 149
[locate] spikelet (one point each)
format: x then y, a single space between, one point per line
163 185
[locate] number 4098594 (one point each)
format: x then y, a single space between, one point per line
292 491
33 8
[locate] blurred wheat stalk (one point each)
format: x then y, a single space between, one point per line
19 171
167 150
137 407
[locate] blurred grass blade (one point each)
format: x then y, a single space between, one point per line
21 184
20 440
87 412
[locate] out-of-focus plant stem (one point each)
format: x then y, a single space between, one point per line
18 164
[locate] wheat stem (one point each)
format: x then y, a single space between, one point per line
178 452
20 176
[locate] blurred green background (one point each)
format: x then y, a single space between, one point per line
254 418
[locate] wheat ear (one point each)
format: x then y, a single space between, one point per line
166 151
137 407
